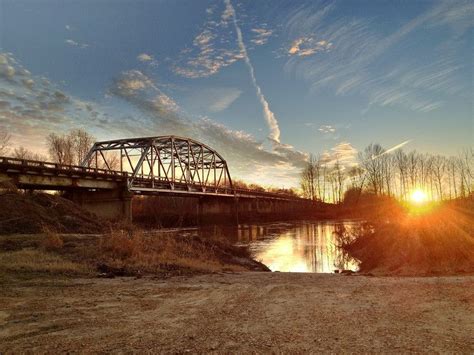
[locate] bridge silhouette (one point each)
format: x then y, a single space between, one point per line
115 170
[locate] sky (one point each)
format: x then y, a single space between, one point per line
265 83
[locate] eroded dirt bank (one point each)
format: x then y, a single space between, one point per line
239 312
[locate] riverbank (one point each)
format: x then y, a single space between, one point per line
423 240
120 252
238 312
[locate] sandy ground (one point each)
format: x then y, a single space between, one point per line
242 312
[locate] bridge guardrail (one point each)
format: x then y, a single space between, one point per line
37 164
226 190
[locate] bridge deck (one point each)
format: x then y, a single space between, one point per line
32 174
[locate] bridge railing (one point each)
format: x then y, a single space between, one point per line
161 184
8 162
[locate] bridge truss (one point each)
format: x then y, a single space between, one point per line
163 163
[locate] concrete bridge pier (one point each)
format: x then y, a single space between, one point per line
115 205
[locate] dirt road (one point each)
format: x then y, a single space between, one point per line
243 312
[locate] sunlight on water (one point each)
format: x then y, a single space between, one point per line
297 246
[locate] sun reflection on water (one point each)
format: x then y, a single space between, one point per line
297 247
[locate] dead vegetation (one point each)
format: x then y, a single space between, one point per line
120 252
33 262
439 241
136 252
34 212
52 241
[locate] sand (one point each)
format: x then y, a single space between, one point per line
239 312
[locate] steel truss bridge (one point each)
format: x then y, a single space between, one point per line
150 165
165 163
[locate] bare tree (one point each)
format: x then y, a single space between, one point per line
401 164
412 160
60 149
320 175
466 171
372 165
386 167
82 142
392 174
308 179
340 178
110 161
71 148
4 142
439 165
23 153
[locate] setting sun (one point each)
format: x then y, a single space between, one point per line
418 196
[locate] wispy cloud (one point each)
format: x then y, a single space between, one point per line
353 63
211 99
261 36
224 100
343 153
457 16
148 59
326 129
305 18
144 57
31 106
132 81
76 44
306 46
212 48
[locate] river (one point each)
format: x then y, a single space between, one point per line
302 246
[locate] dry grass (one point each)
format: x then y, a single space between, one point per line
39 261
52 241
421 242
120 253
136 252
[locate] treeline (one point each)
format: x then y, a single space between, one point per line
69 148
239 184
395 174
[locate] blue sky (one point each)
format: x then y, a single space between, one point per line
264 82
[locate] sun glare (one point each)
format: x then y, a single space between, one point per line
418 196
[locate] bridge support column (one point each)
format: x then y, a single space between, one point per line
115 205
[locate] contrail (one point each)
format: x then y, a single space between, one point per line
398 146
269 115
